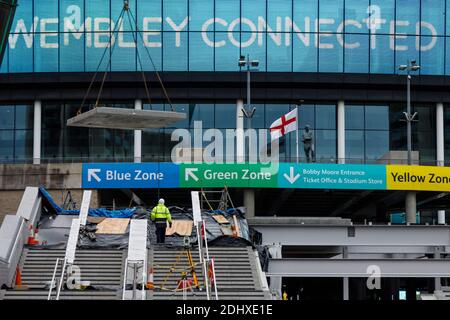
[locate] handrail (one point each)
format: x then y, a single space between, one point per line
53 279
213 268
61 280
144 276
16 241
125 279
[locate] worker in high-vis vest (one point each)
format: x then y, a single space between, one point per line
161 216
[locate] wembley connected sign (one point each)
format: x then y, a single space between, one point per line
208 35
283 175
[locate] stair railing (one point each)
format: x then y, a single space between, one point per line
53 279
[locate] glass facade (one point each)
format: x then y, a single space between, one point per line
16 133
352 36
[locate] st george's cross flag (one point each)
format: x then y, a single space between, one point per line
284 125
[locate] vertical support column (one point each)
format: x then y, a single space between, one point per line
345 281
249 203
341 132
138 136
240 137
37 132
437 281
411 207
440 147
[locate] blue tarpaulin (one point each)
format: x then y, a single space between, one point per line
100 212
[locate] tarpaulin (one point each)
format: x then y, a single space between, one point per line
100 212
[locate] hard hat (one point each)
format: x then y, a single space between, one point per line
161 201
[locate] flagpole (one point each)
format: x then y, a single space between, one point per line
296 134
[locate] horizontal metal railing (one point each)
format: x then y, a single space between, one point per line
282 159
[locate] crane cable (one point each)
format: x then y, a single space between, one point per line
116 30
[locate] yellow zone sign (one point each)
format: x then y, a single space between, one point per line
420 178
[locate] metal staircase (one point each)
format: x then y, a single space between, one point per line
237 275
103 268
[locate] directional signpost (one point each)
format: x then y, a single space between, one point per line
282 175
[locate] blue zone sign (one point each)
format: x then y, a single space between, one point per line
130 175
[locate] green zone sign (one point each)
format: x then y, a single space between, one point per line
230 175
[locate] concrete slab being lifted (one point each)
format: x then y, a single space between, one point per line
131 119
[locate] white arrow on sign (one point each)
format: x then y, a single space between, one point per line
291 178
190 173
92 173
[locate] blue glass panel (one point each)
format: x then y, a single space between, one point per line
279 52
71 15
333 12
432 60
227 10
381 55
382 12
124 55
46 52
24 117
175 15
377 117
151 11
98 9
46 9
257 49
6 144
330 53
305 11
200 11
354 145
253 10
409 12
447 58
184 108
325 146
433 12
71 52
356 15
23 144
377 144
24 15
305 52
21 56
150 48
354 117
6 117
325 116
97 46
203 113
306 116
405 50
225 116
201 56
356 53
175 57
227 54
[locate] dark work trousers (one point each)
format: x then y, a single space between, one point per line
161 232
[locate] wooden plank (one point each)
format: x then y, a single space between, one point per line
220 219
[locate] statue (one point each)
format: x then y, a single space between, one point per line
308 145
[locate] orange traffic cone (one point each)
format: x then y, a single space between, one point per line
31 240
18 277
150 284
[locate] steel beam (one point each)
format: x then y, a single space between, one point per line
364 235
357 268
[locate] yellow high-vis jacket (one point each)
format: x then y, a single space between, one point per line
161 213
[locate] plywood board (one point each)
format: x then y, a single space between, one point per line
95 219
113 226
180 227
220 219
